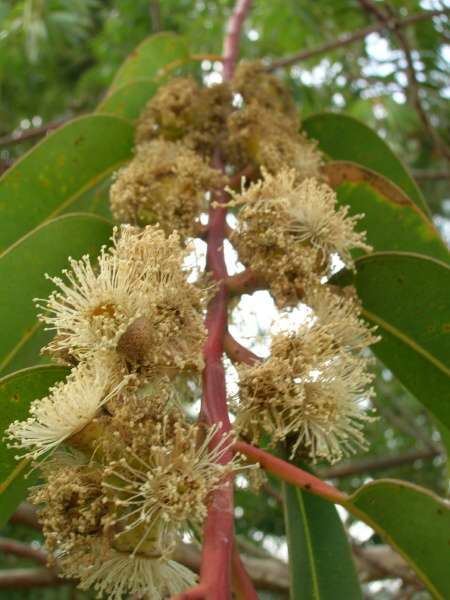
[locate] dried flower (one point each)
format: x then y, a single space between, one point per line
270 140
136 302
288 232
171 111
252 81
165 183
182 110
77 523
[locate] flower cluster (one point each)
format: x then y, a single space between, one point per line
290 233
125 473
308 391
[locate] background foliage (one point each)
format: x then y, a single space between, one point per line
57 58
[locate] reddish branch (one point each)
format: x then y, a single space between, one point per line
232 37
290 474
238 353
215 571
245 282
243 585
350 38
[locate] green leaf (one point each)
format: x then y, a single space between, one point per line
49 179
344 138
320 561
150 57
22 269
129 100
17 391
412 520
406 296
392 221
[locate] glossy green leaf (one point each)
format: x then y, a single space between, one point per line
150 58
407 297
344 138
320 561
17 391
129 100
391 220
49 179
22 268
415 522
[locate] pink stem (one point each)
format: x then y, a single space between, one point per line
244 588
290 474
231 43
215 571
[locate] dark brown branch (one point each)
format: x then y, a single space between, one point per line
26 514
8 546
154 10
377 463
386 17
350 38
430 175
17 138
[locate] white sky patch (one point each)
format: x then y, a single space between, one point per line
253 35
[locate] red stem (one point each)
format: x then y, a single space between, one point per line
218 535
245 282
215 569
290 474
244 588
231 43
238 353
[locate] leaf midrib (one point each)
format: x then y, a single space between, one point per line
406 340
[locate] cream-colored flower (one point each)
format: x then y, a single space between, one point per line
163 478
288 233
68 408
309 390
119 575
136 302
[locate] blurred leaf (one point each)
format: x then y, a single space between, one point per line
320 559
150 57
129 100
414 521
50 178
406 296
344 138
22 268
392 221
17 391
